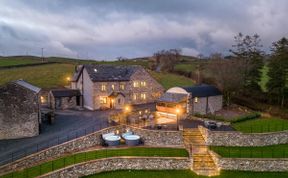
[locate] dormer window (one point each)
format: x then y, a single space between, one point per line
95 70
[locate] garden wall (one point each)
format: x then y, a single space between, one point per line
251 164
120 163
150 138
233 138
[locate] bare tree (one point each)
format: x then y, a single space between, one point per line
165 60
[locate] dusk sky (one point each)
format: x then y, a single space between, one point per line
107 29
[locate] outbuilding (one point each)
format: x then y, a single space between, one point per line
64 99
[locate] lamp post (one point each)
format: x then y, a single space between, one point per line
126 111
177 113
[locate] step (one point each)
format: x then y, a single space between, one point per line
207 172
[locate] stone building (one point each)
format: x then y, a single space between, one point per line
19 110
64 99
202 99
110 86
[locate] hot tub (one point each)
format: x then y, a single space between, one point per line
112 140
132 140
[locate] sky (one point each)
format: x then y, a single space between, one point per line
107 29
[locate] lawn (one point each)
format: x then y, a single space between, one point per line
184 174
274 151
261 125
44 76
86 156
8 61
168 80
185 67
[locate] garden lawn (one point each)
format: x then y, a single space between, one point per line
261 125
274 151
168 80
44 76
86 156
184 174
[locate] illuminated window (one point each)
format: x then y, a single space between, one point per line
136 84
113 87
122 86
103 100
42 99
143 96
196 99
103 87
143 84
134 96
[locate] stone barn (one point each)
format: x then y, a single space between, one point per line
19 110
202 99
64 99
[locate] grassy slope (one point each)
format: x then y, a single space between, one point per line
7 61
184 174
82 157
45 76
261 125
274 151
168 80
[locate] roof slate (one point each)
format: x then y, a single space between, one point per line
28 86
65 93
173 97
203 90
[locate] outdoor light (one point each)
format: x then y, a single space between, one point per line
140 112
177 110
68 78
127 108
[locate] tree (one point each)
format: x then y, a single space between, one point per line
278 70
248 49
228 75
165 60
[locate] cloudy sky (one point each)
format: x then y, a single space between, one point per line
106 29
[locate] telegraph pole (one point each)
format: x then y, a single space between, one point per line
42 52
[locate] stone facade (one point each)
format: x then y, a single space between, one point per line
251 164
206 105
95 97
19 112
63 102
121 163
150 138
233 138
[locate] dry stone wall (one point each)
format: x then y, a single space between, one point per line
233 138
120 163
150 138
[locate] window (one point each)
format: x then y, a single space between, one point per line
113 87
119 101
134 96
122 86
136 84
196 99
143 96
103 100
143 84
103 87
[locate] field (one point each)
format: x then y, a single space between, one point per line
274 151
7 61
86 156
44 76
184 174
261 125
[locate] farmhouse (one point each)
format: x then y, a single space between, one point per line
202 99
110 86
19 110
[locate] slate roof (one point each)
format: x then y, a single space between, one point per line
27 85
101 73
65 93
172 97
203 90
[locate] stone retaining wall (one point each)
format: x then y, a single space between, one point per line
150 138
234 138
121 163
251 164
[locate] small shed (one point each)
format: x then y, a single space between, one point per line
64 99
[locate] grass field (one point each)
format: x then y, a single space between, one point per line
261 125
274 151
184 174
44 76
86 156
168 80
7 61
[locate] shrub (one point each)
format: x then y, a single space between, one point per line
246 117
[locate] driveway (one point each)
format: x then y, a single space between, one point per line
68 125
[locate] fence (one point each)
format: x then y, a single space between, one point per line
13 156
252 152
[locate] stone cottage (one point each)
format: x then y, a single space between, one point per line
202 99
64 99
19 110
110 86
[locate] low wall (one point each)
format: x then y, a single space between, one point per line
120 163
233 138
150 138
251 164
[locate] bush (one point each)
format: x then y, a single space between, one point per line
246 117
210 116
